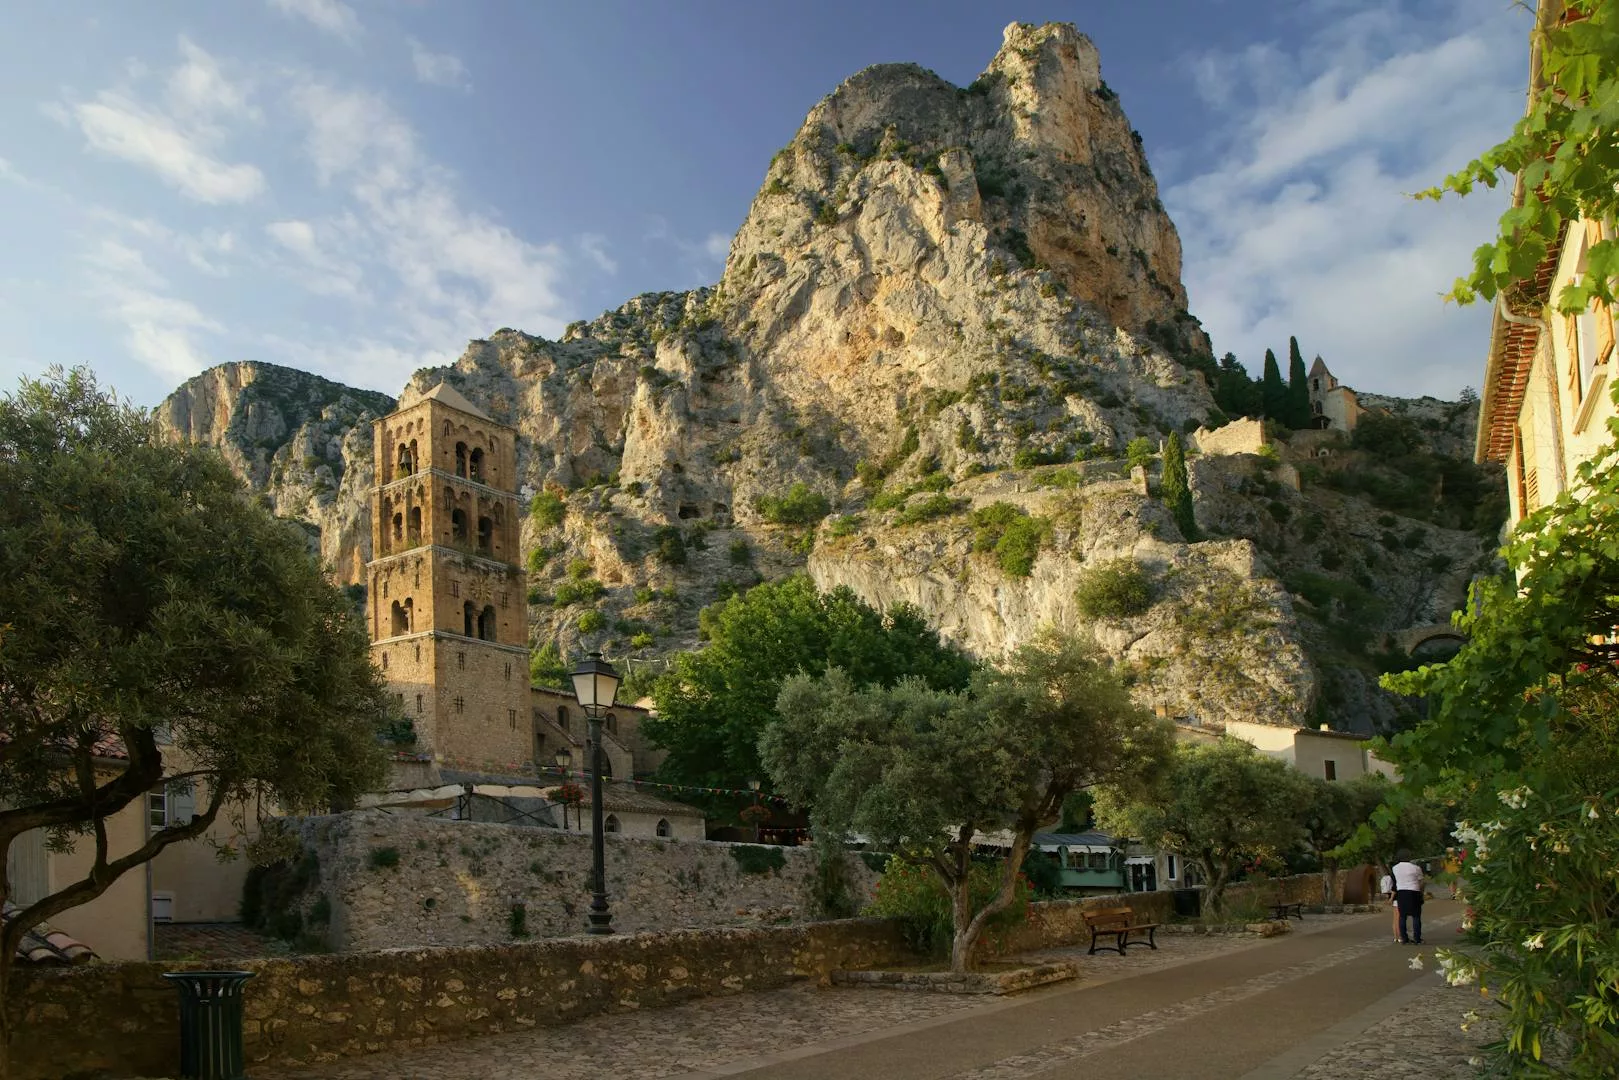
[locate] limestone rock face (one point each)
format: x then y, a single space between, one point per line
302 442
941 299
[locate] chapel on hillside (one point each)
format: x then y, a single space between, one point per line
1332 404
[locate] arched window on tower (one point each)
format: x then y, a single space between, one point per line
407 461
414 525
469 618
401 624
399 528
486 535
663 827
458 525
410 615
461 460
486 624
475 465
611 824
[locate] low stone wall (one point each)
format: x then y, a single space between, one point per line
120 1020
407 880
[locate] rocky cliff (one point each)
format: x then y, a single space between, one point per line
946 314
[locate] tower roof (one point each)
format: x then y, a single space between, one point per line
1318 368
445 394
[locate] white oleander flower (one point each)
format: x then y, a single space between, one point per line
1535 941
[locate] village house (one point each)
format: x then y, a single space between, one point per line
1545 401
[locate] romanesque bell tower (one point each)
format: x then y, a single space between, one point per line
448 615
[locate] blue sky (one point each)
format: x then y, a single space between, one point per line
357 187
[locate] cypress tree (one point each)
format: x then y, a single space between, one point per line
1298 388
1273 391
1176 488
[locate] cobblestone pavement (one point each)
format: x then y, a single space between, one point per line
211 941
1423 1041
713 1031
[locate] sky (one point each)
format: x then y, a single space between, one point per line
359 187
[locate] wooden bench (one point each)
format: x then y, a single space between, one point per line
1118 923
1282 911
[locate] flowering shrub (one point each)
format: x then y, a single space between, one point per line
916 897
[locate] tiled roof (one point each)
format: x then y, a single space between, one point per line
625 799
45 945
1506 372
445 394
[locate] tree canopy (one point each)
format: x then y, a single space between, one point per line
1298 388
1273 391
1220 804
1176 488
923 772
159 626
713 704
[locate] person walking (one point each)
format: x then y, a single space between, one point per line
1408 883
1386 887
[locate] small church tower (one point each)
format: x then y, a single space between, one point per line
446 594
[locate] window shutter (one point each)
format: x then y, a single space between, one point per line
1604 322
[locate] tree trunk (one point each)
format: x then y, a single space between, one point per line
1218 874
968 924
966 932
1329 873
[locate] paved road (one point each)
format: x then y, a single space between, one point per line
1323 1002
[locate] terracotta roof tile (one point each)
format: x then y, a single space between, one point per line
45 945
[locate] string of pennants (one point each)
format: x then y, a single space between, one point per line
688 789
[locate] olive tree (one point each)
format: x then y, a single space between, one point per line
156 626
926 773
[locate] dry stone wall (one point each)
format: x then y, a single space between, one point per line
398 880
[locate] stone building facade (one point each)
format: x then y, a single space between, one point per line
446 593
1332 404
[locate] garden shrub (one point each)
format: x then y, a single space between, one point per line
917 898
1114 590
758 858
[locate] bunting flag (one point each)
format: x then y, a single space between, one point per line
514 769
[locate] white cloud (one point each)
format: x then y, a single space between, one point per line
160 330
178 143
332 16
717 246
594 246
455 273
440 69
1301 224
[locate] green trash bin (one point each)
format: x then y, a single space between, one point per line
210 1023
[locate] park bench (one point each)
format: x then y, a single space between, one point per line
1282 911
1118 923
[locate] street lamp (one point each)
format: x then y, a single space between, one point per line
595 684
754 784
564 759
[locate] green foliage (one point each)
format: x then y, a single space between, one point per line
920 902
591 621
546 666
140 586
272 894
569 593
1273 391
713 704
1176 488
1234 392
1117 589
832 889
548 509
1298 389
668 545
740 553
1222 804
517 922
801 505
844 525
1043 872
383 858
934 506
1076 812
1140 451
1012 534
758 858
938 767
1562 153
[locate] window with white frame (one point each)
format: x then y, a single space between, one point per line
1172 865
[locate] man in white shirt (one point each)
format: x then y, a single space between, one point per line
1408 898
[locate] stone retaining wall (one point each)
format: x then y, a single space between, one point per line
407 880
120 1020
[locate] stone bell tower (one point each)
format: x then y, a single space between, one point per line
446 601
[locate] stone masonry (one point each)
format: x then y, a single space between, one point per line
405 880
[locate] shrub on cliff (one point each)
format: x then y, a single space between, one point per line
800 505
1114 590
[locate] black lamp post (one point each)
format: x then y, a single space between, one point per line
595 684
564 759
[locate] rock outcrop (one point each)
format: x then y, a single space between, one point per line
943 300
